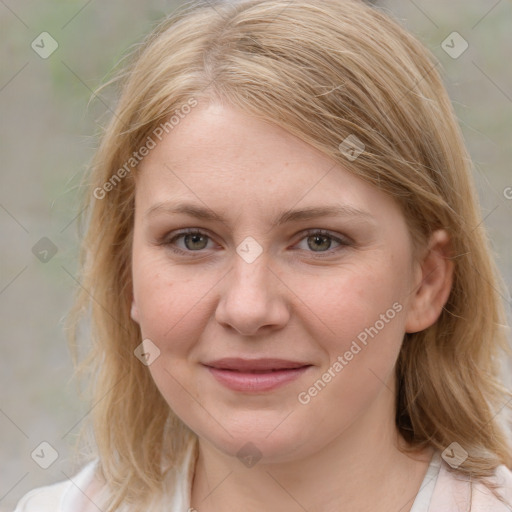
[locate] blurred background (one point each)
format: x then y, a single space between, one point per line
54 54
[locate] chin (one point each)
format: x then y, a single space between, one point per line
259 445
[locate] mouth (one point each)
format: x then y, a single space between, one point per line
255 365
257 375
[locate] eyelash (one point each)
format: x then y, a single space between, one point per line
343 241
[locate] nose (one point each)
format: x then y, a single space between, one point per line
253 298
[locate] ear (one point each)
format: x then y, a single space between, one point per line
432 292
134 312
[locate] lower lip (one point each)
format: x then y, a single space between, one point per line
256 382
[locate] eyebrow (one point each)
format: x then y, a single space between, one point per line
308 213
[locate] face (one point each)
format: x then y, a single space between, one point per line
288 257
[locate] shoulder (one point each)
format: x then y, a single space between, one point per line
85 492
485 492
455 492
43 499
67 495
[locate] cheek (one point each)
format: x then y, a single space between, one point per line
169 302
357 319
345 304
358 322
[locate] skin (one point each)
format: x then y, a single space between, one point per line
289 303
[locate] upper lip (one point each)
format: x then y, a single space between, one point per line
240 364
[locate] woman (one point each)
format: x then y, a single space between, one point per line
293 300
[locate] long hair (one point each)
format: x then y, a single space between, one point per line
324 71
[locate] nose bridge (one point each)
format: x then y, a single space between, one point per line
250 266
251 297
251 280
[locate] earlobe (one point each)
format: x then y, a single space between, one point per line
434 289
134 313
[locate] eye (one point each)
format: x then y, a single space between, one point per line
316 241
191 241
321 241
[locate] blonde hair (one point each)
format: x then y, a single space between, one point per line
323 71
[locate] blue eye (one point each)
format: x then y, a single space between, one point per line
318 242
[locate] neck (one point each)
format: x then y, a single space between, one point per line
361 468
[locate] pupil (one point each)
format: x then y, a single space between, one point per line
195 238
319 239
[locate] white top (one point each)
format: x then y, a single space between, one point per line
442 490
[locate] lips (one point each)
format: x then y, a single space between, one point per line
255 375
255 365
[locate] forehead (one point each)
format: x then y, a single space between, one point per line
226 159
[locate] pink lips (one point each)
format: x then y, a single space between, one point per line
255 375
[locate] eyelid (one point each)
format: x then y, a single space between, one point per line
168 241
344 241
